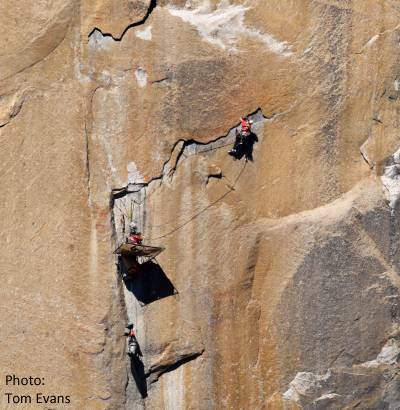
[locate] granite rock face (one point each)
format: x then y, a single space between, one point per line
279 284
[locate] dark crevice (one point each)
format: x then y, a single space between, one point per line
155 373
178 157
217 175
87 162
118 193
371 166
377 120
152 6
122 191
161 80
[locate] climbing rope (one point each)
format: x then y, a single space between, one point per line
174 220
231 188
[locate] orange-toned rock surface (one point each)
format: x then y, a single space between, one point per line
279 284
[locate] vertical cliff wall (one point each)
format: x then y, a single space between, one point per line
279 284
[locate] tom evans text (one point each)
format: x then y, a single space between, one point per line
33 395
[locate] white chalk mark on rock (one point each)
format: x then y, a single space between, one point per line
134 176
305 384
144 34
141 77
391 179
388 355
225 25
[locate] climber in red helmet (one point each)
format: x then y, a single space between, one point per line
133 345
135 237
245 125
241 137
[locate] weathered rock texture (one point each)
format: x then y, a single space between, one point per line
279 285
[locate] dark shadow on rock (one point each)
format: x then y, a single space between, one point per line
243 146
138 373
150 283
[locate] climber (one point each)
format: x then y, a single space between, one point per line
135 237
133 345
243 139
